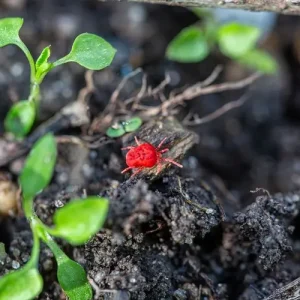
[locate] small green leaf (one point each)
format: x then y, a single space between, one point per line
80 219
39 166
189 46
260 61
73 280
90 51
9 31
115 131
20 118
132 124
43 58
42 65
24 284
236 39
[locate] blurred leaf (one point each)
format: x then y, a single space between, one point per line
9 31
189 46
24 284
115 131
90 51
39 166
80 219
202 12
73 280
236 39
20 118
260 61
132 124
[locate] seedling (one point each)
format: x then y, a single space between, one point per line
76 222
88 50
146 156
234 40
120 128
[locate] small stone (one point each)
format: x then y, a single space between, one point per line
48 265
15 264
58 203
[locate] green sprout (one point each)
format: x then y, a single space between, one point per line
76 222
88 50
234 40
120 128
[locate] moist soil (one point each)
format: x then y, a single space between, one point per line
226 225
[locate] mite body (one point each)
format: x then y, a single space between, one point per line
146 156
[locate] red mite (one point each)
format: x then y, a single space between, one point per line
146 156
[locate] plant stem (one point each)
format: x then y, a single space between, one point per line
26 51
34 94
28 209
36 244
58 253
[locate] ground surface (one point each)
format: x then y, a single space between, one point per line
192 233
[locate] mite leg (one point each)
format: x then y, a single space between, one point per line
158 168
128 148
160 144
137 141
172 162
164 150
136 172
127 169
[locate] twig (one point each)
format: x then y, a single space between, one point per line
212 77
288 292
196 91
107 116
217 113
278 6
88 89
141 92
150 91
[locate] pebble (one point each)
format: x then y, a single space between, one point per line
15 264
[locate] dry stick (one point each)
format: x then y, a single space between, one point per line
290 291
88 89
217 113
141 92
212 77
151 92
279 6
108 113
209 80
196 91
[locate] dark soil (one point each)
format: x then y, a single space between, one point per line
227 225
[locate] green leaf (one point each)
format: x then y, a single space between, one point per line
189 46
73 280
24 284
90 51
39 166
259 60
115 131
20 118
236 39
42 65
132 124
43 58
9 31
80 219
